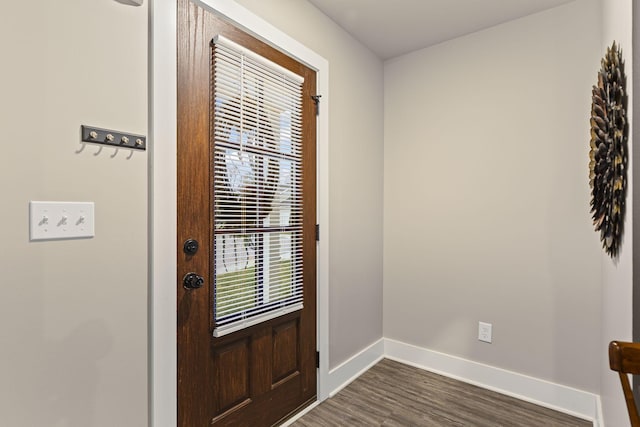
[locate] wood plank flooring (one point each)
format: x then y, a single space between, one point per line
394 394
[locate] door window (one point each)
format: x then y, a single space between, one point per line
257 188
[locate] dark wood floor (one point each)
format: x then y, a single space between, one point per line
394 394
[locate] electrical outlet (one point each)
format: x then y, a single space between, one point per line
484 332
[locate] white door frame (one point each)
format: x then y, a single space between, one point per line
163 188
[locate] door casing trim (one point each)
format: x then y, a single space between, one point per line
163 202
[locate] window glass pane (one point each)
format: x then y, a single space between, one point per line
281 261
235 278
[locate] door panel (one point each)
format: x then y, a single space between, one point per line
259 375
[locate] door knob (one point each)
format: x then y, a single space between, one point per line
192 281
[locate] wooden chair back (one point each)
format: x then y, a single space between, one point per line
624 358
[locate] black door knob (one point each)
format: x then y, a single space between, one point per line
192 281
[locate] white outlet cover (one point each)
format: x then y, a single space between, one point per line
484 332
61 220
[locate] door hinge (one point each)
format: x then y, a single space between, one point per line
317 359
317 232
316 99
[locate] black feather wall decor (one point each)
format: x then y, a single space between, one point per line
608 154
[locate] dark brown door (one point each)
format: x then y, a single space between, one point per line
260 374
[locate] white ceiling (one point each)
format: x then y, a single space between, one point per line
394 27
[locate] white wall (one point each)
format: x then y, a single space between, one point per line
617 280
355 161
73 314
486 210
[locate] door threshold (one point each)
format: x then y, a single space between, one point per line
298 412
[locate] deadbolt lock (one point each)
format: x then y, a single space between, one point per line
191 246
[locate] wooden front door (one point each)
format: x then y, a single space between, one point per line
259 371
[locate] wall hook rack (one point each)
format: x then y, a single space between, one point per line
113 138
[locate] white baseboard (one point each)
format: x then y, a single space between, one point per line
599 419
561 398
349 370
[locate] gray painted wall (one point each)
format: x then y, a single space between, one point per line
617 277
355 180
486 212
73 314
636 199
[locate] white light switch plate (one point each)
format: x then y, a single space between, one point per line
60 220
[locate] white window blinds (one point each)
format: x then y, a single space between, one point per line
257 188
